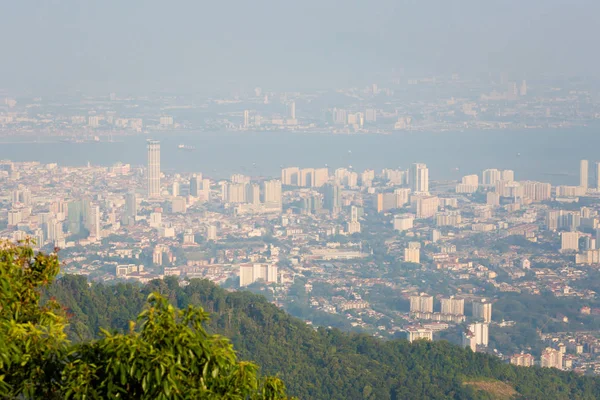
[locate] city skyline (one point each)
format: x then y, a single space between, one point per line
405 171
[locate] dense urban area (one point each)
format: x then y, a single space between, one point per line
434 103
491 262
494 263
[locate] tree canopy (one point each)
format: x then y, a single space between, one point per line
166 354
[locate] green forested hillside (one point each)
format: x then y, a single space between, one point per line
166 355
322 363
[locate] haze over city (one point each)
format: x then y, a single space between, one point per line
187 46
424 174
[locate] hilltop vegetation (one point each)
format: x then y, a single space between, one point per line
323 363
168 355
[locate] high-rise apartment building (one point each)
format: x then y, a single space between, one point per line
481 332
491 176
166 120
569 241
367 177
385 201
413 253
508 175
75 217
14 217
339 116
469 340
240 178
448 218
246 118
536 191
482 310
426 206
597 175
583 173
332 198
272 193
307 177
131 204
419 178
235 192
195 185
93 121
416 333
468 184
353 226
421 303
253 193
250 273
175 189
321 177
551 358
402 197
291 108
371 115
153 168
290 176
92 219
178 205
211 232
522 360
453 306
403 222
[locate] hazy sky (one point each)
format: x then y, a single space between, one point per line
130 45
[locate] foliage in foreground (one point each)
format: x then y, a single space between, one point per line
167 355
321 363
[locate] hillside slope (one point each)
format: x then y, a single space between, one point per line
322 363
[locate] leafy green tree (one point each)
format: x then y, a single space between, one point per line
168 354
33 342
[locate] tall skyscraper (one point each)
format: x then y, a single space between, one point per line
419 178
175 189
332 198
597 175
131 204
583 174
353 226
153 168
195 185
92 220
292 109
246 118
75 216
